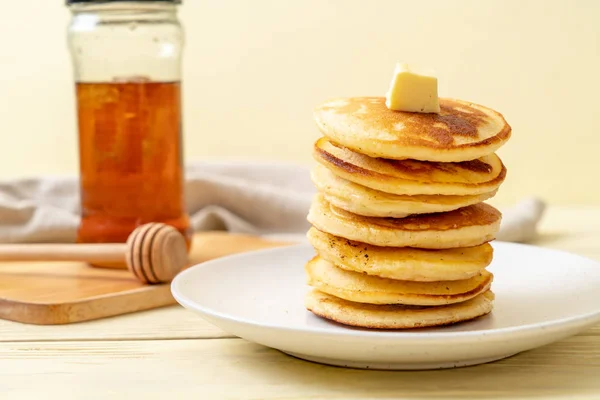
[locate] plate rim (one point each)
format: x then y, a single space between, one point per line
433 335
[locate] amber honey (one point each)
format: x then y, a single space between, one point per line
130 152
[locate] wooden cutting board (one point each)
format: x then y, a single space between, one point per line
51 293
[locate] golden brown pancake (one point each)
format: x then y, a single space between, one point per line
412 177
361 288
462 131
465 227
362 200
396 316
404 263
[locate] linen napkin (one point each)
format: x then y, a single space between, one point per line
266 199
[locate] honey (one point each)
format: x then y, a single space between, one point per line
131 161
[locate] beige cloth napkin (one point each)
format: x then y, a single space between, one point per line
269 199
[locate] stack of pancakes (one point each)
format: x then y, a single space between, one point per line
399 223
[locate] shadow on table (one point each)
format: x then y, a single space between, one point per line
554 370
548 238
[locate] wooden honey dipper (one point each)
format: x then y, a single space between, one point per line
154 252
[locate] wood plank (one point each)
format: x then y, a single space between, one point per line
51 293
234 368
172 322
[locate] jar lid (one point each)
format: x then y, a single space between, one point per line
117 1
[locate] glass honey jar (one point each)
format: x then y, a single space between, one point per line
126 58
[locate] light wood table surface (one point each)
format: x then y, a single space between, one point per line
171 353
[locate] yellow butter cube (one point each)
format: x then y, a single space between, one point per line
413 90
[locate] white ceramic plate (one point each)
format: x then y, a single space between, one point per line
541 296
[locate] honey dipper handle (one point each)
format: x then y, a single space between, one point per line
63 252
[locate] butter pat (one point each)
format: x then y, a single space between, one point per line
413 90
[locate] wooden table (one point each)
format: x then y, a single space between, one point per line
171 353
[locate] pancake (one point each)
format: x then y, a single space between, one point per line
362 200
405 263
396 316
465 227
412 177
361 288
462 131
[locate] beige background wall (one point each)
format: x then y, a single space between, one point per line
254 70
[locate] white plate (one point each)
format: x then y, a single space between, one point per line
541 296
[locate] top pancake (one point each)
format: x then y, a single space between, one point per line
462 131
